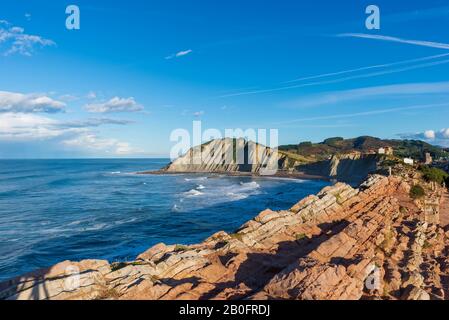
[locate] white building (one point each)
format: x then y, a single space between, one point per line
387 150
409 161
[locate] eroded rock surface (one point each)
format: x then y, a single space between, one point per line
372 242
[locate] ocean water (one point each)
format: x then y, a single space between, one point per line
55 210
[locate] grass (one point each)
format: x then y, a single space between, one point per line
236 236
426 245
120 265
301 236
181 248
293 157
109 294
339 199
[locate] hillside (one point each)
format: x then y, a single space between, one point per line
402 148
345 160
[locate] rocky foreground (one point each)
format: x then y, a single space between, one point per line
372 242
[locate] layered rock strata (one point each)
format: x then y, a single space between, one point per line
372 242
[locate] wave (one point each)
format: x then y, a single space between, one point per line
193 193
250 185
200 187
196 179
237 196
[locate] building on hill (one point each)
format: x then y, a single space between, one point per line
386 151
428 159
409 161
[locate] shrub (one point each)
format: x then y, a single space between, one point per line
417 192
305 144
301 236
118 265
180 248
434 174
333 141
236 236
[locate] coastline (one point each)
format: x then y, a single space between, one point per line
280 175
325 247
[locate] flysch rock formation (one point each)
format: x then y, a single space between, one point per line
228 155
239 156
372 242
350 168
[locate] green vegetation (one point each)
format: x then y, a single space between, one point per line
402 148
426 245
118 265
301 236
108 294
180 248
334 142
434 174
305 144
417 192
236 236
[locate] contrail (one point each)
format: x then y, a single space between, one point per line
373 74
366 113
369 67
422 43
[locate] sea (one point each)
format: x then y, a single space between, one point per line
56 210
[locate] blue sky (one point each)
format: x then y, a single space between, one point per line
137 70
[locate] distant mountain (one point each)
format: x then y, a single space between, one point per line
337 145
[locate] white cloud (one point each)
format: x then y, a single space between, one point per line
26 127
18 102
184 53
68 97
28 16
116 104
16 41
91 95
179 54
109 146
431 44
439 137
198 113
429 134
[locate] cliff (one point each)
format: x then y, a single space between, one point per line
228 155
372 242
349 168
240 156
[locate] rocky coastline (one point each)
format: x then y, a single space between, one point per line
345 243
